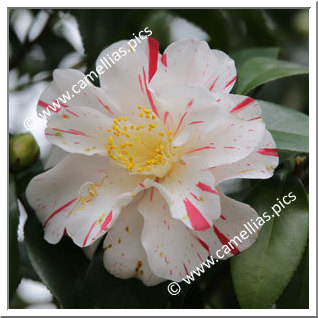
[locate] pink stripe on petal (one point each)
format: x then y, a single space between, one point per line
196 122
72 113
61 104
49 134
205 246
140 83
230 82
60 209
199 149
153 57
180 123
198 222
195 196
164 59
87 235
206 188
185 268
107 221
190 103
242 104
43 104
152 104
166 117
200 257
268 152
213 84
225 241
255 118
105 106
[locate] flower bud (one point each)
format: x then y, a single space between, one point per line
23 151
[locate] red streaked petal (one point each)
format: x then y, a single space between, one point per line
197 220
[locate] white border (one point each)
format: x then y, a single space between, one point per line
312 180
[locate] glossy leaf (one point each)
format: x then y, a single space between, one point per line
261 273
289 128
243 55
296 295
26 268
260 70
14 257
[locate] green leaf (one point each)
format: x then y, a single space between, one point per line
102 290
60 266
260 70
243 55
289 128
296 295
26 268
261 273
14 257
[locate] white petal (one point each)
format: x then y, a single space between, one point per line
53 193
124 256
190 195
86 133
192 62
67 82
240 106
99 204
173 251
225 234
235 137
126 82
258 165
189 112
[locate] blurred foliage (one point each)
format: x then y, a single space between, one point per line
261 273
268 47
14 255
295 296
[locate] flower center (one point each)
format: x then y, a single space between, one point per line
144 149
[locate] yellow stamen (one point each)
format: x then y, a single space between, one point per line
140 150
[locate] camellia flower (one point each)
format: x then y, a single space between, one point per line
148 150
